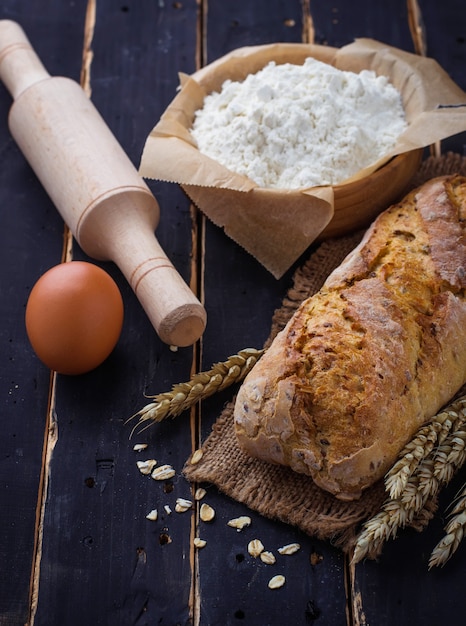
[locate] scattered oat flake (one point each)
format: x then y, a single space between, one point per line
164 472
290 548
276 582
138 447
199 543
200 493
267 557
153 515
255 547
146 467
182 505
206 513
240 522
197 456
167 509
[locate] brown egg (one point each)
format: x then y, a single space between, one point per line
74 317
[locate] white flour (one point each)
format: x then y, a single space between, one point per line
292 126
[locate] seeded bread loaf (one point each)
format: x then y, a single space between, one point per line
370 357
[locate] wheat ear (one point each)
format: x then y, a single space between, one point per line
415 452
454 532
427 463
202 385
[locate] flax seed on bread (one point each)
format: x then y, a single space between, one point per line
370 357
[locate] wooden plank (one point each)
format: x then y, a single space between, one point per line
445 38
31 241
109 563
243 296
231 25
339 23
101 561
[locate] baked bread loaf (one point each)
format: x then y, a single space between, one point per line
373 355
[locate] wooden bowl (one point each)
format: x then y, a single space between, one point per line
356 204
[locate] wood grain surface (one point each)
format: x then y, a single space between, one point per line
75 545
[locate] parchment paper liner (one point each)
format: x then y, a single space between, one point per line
277 226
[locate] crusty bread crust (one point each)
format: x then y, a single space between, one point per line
370 357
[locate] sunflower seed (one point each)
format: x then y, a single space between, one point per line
146 467
199 543
164 472
240 522
267 557
255 547
182 505
290 548
206 513
276 582
153 515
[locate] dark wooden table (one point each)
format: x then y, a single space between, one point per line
75 545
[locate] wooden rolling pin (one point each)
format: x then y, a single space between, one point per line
95 187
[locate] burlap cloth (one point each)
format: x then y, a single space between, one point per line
277 492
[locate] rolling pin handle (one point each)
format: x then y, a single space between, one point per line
121 227
20 67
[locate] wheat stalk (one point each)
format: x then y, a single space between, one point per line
455 528
416 451
395 513
454 532
449 457
427 463
202 385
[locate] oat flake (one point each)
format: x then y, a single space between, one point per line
276 582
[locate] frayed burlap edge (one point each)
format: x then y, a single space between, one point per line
274 491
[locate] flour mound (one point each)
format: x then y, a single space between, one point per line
296 126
